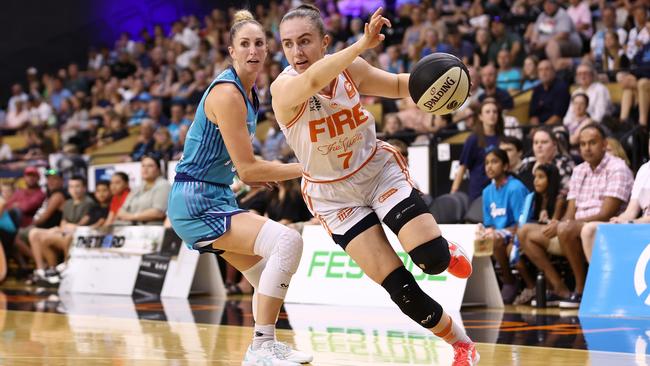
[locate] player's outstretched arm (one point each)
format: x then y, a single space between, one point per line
292 91
226 106
377 82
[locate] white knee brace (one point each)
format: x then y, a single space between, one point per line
282 248
253 275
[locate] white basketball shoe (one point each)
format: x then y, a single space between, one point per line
274 353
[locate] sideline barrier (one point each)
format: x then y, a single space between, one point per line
619 274
141 261
327 275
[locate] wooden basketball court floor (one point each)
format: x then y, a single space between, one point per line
38 327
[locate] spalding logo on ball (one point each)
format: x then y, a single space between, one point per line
439 83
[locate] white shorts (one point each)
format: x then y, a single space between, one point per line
379 186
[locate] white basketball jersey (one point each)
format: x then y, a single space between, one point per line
333 136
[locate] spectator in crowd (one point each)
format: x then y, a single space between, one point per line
395 63
599 99
98 213
40 112
124 67
490 89
555 36
612 64
145 142
154 112
529 73
48 215
113 131
580 14
71 163
414 118
459 47
18 117
608 18
414 31
17 94
275 142
615 148
76 81
28 199
178 146
546 151
58 93
503 40
119 187
5 150
508 78
8 228
431 43
515 150
46 243
639 204
503 201
147 204
599 189
551 98
163 146
636 86
393 129
177 120
543 210
482 43
639 35
577 116
485 138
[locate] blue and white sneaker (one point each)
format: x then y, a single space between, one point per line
274 353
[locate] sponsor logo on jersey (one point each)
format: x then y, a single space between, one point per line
449 82
349 89
334 124
344 213
314 104
384 196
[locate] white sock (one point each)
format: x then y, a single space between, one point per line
263 333
451 332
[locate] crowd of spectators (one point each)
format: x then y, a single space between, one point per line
147 86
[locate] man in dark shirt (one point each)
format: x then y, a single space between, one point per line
550 99
489 81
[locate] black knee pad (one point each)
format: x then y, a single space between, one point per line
410 298
405 211
433 256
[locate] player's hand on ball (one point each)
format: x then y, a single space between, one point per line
372 36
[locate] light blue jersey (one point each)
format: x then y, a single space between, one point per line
201 202
205 157
502 206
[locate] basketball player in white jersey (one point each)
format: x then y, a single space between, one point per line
352 181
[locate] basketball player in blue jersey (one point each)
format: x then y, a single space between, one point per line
202 207
351 181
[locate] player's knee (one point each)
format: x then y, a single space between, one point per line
280 245
405 211
410 298
290 250
433 256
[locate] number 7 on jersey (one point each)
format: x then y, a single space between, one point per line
346 159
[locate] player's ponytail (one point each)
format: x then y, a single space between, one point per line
241 18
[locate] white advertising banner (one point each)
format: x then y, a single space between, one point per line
419 166
327 275
108 262
105 171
